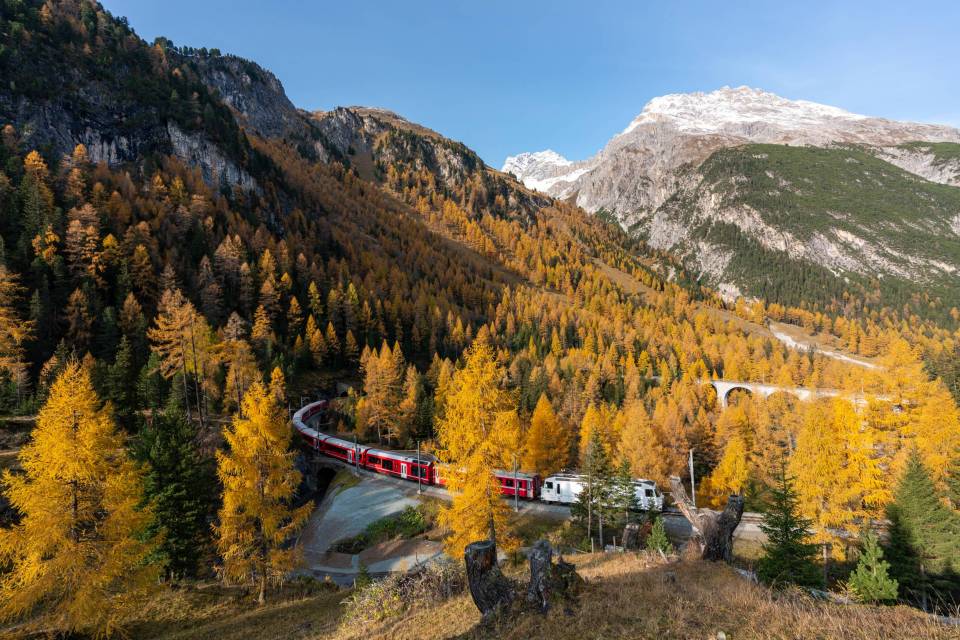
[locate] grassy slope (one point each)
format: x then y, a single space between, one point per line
626 597
212 611
808 190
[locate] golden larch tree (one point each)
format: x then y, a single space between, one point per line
731 473
597 418
643 447
838 475
76 559
183 341
477 434
259 481
547 447
14 331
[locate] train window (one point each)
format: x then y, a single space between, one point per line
649 493
548 485
507 482
387 465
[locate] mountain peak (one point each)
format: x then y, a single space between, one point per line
714 111
526 162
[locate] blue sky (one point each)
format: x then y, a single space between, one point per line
524 75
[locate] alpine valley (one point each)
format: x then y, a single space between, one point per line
269 372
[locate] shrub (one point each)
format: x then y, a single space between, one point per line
410 522
430 583
871 580
657 540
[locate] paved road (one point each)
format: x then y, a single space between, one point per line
678 528
345 512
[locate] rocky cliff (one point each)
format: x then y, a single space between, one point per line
661 178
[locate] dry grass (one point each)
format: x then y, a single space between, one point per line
213 611
626 596
633 597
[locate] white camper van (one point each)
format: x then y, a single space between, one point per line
563 488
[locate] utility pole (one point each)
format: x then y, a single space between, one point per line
516 486
693 489
419 471
356 458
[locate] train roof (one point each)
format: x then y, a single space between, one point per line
510 474
579 477
406 456
340 442
564 476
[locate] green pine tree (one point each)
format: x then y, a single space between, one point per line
923 545
657 540
788 558
150 384
121 388
953 481
181 484
871 580
595 508
624 495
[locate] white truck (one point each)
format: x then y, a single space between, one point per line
563 488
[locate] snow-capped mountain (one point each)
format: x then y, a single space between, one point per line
659 176
546 171
634 172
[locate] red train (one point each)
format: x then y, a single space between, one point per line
399 464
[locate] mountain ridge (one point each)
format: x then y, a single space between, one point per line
652 178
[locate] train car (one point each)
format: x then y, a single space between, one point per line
341 449
525 485
561 488
565 488
311 436
440 473
648 495
399 464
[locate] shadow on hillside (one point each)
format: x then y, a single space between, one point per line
632 596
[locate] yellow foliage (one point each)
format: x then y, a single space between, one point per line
76 561
597 418
479 432
547 448
259 480
14 331
181 336
837 469
732 472
643 446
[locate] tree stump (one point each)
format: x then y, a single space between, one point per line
541 565
719 528
566 581
631 536
712 530
549 581
488 586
